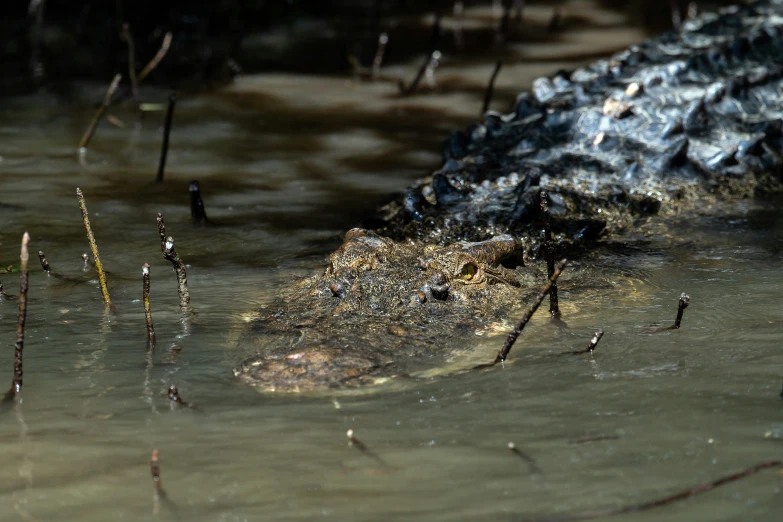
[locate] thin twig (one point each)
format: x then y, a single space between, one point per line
21 318
426 65
145 278
98 115
3 295
94 248
164 48
593 343
685 300
512 337
549 252
170 253
375 71
164 150
459 10
128 37
155 471
407 91
44 262
36 65
490 88
197 212
175 398
596 438
524 456
353 441
683 303
554 22
682 495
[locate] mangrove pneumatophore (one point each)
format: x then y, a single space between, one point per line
21 318
93 247
170 253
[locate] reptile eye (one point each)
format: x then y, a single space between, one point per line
468 271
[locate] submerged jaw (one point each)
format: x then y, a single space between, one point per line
309 369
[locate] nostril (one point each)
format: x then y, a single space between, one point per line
439 286
337 288
417 298
440 291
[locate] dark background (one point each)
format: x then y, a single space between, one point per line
215 39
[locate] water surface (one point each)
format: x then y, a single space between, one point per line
287 164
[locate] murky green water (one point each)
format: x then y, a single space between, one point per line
286 165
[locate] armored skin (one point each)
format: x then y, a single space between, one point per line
683 123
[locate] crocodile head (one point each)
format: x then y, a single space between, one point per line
382 309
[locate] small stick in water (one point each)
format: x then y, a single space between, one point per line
593 343
501 33
459 11
170 253
175 398
21 317
549 252
44 262
519 6
407 91
126 35
155 470
164 48
197 212
164 150
490 88
685 300
430 72
428 65
145 277
524 456
3 295
596 438
383 39
554 22
99 115
36 8
645 506
353 441
94 248
512 337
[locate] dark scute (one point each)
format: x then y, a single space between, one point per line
412 202
526 106
527 207
695 117
672 128
455 146
674 156
648 205
445 192
584 229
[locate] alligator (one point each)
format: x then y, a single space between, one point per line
682 123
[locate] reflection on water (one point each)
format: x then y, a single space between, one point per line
286 165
